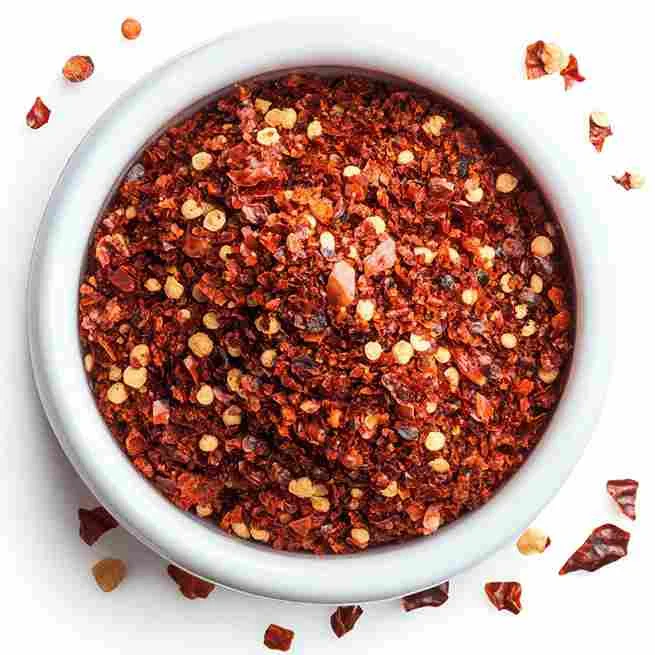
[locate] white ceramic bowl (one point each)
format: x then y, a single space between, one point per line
78 198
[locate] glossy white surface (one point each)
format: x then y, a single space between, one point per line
49 599
104 154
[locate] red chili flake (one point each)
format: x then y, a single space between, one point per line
605 545
433 597
629 180
570 73
534 65
599 129
38 115
341 285
624 492
278 638
504 595
94 523
344 619
190 586
131 28
78 68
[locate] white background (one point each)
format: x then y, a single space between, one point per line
48 598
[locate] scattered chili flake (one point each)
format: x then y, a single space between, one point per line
38 115
131 28
109 573
190 586
278 638
624 492
433 597
599 129
534 65
94 523
504 595
78 68
344 618
313 310
605 545
630 180
571 74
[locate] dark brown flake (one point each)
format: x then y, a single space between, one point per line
624 493
606 544
504 595
94 523
278 638
344 618
190 586
433 597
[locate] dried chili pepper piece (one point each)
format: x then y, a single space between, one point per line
606 544
38 115
571 74
433 597
630 180
94 523
534 65
109 573
624 493
131 28
344 618
190 586
599 129
278 638
504 595
78 68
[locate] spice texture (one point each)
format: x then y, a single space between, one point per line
327 313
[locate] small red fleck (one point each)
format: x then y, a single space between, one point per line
38 115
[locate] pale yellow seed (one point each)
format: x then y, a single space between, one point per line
536 283
600 118
203 511
320 504
440 465
224 252
373 351
356 493
365 309
442 355
241 530
469 296
208 443
371 421
431 407
452 375
487 253
454 257
285 118
505 282
350 171
135 377
152 284
377 223
360 536
419 344
269 327
232 416
636 180
173 289
201 161
405 157
314 130
268 136
508 340
183 315
302 487
433 125
529 329
327 244
475 195
390 490
233 350
521 311
130 212
548 377
191 209
115 373
200 344
117 393
506 183
205 395
260 535
214 220
541 246
89 361
262 106
435 441
403 352
210 321
233 378
268 358
532 542
426 253
141 354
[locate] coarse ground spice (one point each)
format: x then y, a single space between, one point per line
327 313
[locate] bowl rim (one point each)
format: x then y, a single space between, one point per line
81 191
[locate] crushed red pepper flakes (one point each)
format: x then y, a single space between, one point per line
433 597
606 544
547 59
629 180
278 638
571 74
109 573
624 493
78 68
290 380
190 586
504 595
344 618
38 115
599 129
94 523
